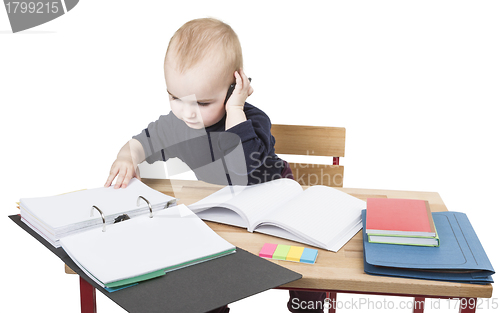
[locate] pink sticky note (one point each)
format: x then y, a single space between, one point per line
268 250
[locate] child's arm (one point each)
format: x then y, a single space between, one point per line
124 167
235 103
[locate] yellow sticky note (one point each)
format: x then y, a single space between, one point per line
294 253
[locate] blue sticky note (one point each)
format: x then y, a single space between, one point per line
309 255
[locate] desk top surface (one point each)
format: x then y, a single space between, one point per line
341 271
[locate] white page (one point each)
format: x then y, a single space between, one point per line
338 243
281 233
253 201
220 196
320 214
142 245
223 215
75 207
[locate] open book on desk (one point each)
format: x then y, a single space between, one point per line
320 216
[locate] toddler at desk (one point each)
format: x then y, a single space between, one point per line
211 127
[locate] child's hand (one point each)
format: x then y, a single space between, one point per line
124 169
241 92
125 165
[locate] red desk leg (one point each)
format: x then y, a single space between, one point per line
332 301
336 160
87 297
467 305
418 305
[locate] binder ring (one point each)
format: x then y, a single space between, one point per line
149 204
102 216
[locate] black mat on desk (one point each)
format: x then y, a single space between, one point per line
198 288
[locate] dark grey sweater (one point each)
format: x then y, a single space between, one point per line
241 155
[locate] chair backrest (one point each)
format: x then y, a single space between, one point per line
312 140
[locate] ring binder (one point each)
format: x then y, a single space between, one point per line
117 205
102 216
149 204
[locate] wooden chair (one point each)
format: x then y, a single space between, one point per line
312 140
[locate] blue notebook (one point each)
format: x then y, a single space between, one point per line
459 258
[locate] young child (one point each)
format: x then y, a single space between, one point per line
202 61
207 123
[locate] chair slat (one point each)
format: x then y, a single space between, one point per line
318 174
309 140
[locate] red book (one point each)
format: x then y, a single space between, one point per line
399 217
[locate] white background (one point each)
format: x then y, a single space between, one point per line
415 83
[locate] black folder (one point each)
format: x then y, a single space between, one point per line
198 288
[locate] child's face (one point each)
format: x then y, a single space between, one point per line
197 95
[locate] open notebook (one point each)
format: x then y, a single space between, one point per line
320 216
142 247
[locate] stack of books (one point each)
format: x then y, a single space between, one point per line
406 244
400 221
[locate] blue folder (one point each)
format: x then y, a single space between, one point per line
459 258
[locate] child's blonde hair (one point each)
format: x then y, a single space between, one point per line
204 37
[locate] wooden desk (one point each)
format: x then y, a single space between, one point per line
334 272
